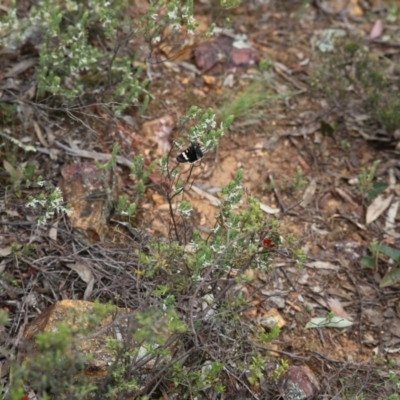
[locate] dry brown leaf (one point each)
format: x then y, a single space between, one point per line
377 207
390 223
158 199
212 199
14 173
336 307
6 251
21 67
39 135
88 290
2 266
347 198
269 210
377 29
84 272
309 193
322 265
375 317
53 231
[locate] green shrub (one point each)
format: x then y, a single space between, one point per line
353 79
189 291
75 61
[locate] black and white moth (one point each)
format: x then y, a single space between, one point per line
192 154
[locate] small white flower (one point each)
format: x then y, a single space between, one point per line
172 14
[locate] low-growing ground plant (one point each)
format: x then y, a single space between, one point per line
299 181
380 251
353 80
251 102
52 366
368 188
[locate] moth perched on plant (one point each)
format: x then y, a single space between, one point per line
192 154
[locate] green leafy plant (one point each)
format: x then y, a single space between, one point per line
241 238
229 3
280 369
7 113
273 333
265 64
395 380
393 12
4 319
256 370
377 250
49 201
247 102
53 366
299 181
203 129
344 145
20 174
365 181
140 174
147 350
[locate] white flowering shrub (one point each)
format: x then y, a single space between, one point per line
84 46
49 202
